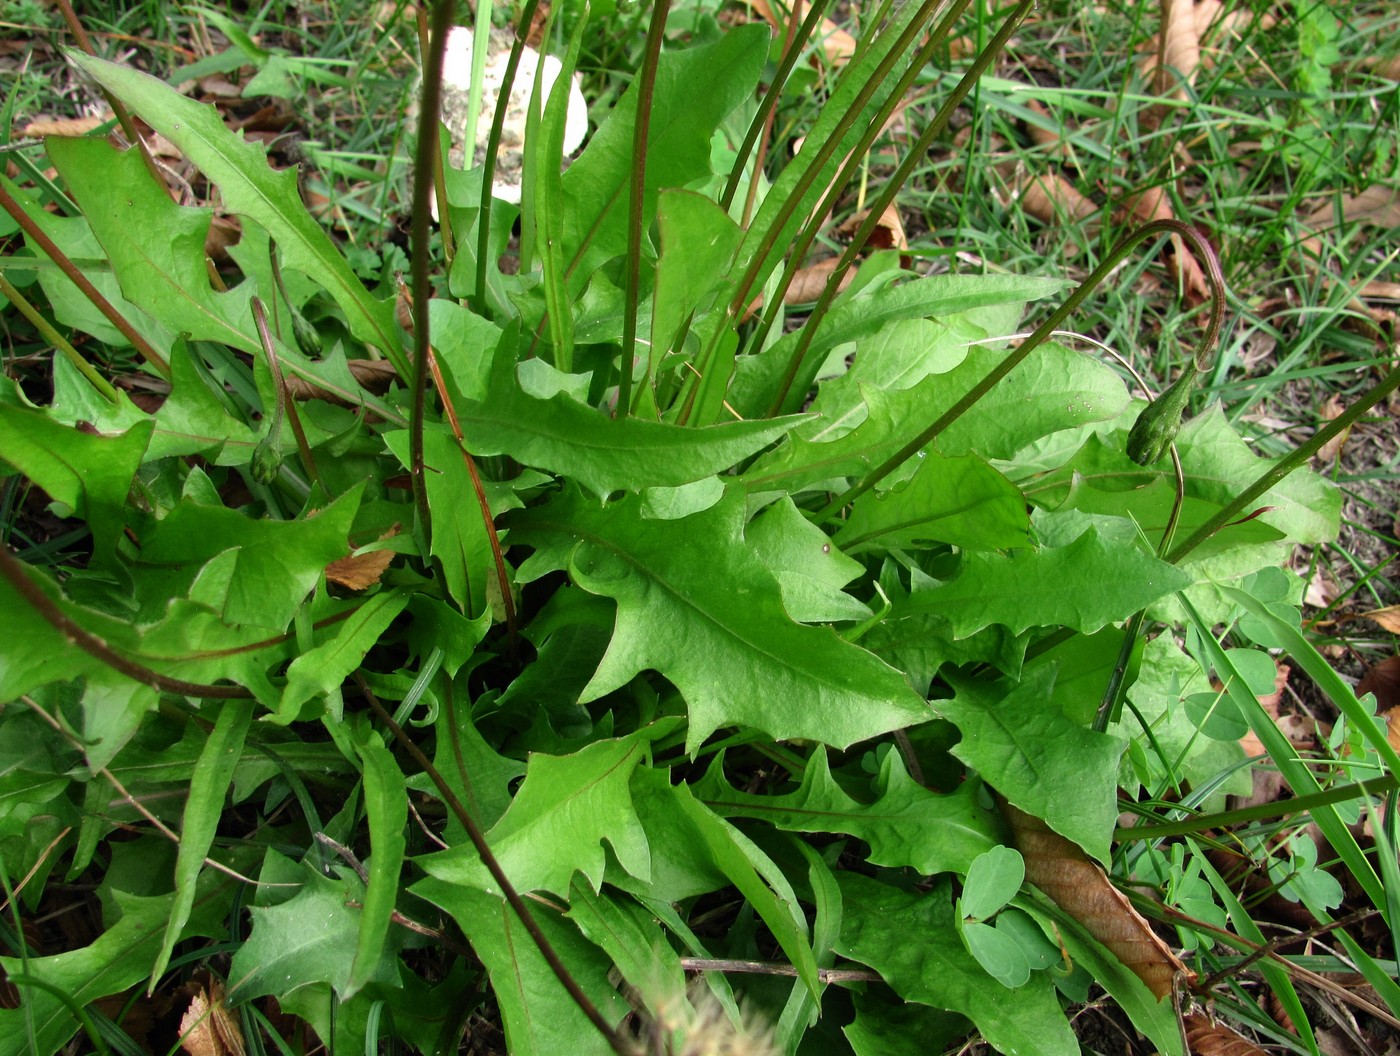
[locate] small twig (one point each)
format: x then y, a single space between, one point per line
825 975
1272 947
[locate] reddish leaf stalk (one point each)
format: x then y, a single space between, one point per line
641 134
30 228
118 109
429 109
485 506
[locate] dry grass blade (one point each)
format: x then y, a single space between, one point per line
1079 887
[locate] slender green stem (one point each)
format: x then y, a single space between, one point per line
493 143
284 402
108 310
53 337
641 134
1125 246
878 77
770 102
1376 786
429 107
798 257
913 158
1287 464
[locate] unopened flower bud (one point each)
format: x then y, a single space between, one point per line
1160 420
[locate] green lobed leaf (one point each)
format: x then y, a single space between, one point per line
698 240
321 669
156 247
276 564
696 604
310 938
906 825
539 1017
559 819
694 851
601 453
633 940
115 961
1040 760
71 306
89 473
250 188
1084 586
1054 389
209 785
811 569
912 940
960 500
866 316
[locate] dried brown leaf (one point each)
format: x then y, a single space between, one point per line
1388 618
1383 680
207 1029
1328 452
808 283
1155 204
1042 136
1178 54
1052 199
1077 885
361 571
888 233
72 126
837 45
375 375
1205 1038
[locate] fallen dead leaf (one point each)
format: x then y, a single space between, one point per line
1173 65
1383 680
1155 204
1322 589
837 45
361 571
1206 1038
1330 409
1052 199
375 375
808 283
1078 886
206 1029
888 233
1388 618
68 127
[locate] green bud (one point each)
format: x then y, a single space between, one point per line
308 337
267 459
1160 420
